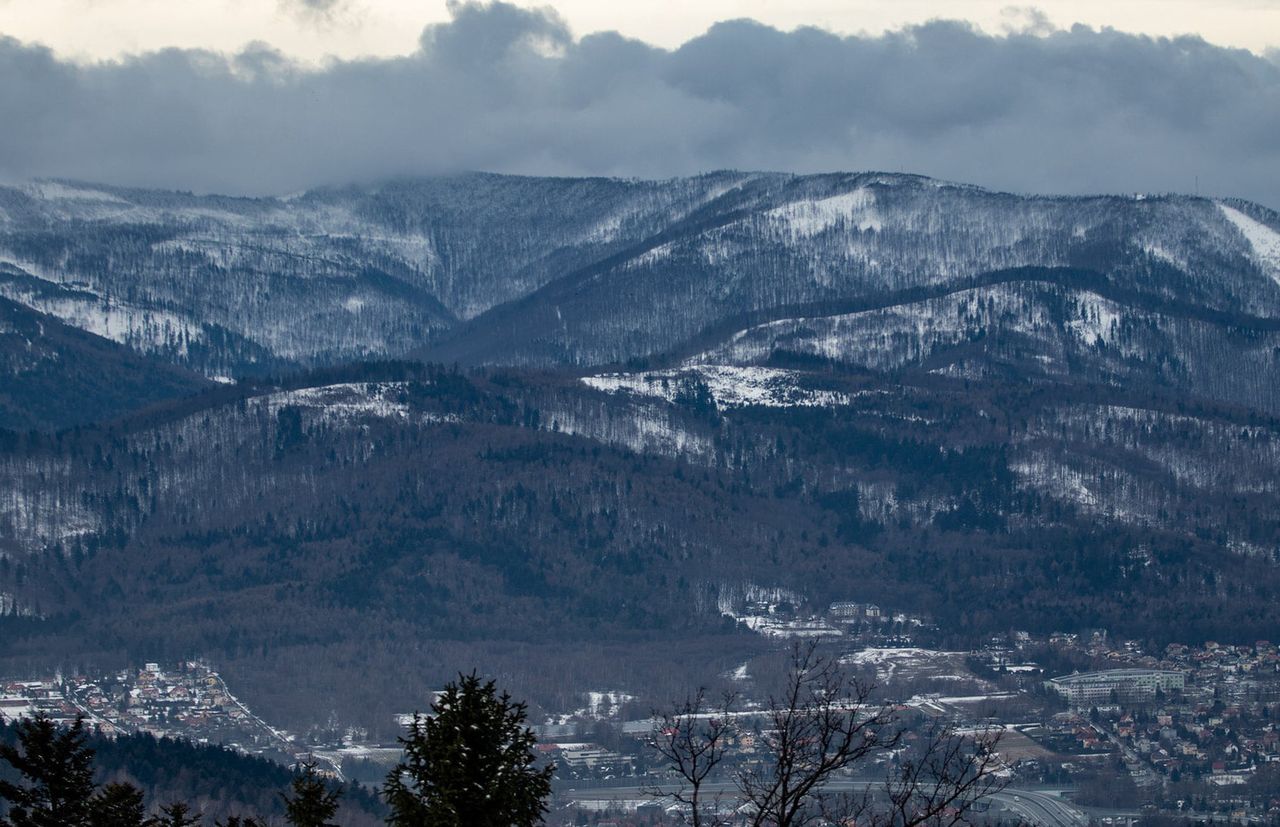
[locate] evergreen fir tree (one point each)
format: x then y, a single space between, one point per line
177 814
56 776
311 802
469 764
117 805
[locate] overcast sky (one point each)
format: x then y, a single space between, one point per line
271 96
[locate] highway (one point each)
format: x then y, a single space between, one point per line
1039 808
1030 806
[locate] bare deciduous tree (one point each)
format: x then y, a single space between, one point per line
939 786
693 738
820 726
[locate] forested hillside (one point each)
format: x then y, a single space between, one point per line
551 271
315 534
56 376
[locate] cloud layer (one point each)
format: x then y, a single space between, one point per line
510 89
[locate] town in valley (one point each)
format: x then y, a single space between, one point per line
1091 728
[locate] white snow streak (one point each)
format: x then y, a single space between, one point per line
805 219
351 400
1264 240
732 387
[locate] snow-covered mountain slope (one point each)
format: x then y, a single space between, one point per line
507 270
56 376
250 285
1264 240
494 505
778 248
1037 329
850 387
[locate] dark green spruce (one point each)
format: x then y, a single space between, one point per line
469 764
311 802
55 771
118 805
177 814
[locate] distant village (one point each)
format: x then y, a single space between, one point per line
1191 729
1209 713
189 700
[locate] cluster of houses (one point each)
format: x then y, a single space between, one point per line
25 699
190 701
1208 713
1219 743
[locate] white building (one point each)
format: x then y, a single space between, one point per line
1086 689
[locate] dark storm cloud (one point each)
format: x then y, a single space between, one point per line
511 89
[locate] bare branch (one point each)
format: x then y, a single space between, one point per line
819 726
693 739
940 785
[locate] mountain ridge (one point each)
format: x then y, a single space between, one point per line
431 286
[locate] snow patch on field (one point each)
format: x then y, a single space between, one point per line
1264 240
891 662
729 386
787 629
769 611
805 219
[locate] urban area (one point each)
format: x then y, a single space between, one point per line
1092 729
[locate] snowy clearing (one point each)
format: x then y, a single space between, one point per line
1264 240
730 386
351 400
805 219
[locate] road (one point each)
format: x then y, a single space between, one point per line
1039 808
1031 806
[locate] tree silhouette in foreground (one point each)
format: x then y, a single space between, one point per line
820 726
310 802
469 764
118 805
56 772
177 814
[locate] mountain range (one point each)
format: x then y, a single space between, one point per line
535 423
